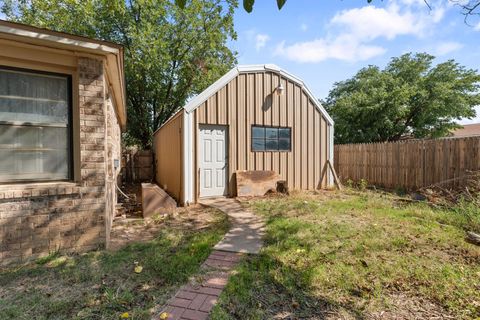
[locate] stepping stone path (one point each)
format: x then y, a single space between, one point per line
194 301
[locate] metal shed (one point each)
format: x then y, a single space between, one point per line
255 117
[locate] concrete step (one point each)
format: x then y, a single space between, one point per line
155 200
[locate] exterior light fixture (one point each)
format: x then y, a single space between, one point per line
280 89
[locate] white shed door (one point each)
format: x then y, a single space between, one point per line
213 161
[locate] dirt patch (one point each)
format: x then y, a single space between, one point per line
134 229
405 307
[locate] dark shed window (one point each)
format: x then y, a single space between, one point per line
271 139
35 126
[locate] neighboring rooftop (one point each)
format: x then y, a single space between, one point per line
467 130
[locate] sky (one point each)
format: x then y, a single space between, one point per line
325 41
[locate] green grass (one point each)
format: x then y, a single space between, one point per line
103 285
354 255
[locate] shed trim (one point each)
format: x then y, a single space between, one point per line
229 76
188 165
172 117
330 176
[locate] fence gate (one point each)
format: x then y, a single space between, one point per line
137 166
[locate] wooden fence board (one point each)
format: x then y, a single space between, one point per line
137 166
409 164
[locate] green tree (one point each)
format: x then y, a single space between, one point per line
170 53
410 97
247 4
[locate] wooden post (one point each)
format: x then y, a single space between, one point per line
328 165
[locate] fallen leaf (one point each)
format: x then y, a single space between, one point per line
163 315
138 269
125 315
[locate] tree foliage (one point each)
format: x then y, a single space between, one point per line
170 53
247 4
409 97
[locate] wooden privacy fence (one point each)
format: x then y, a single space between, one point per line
409 164
137 165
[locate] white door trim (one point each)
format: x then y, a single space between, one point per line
213 162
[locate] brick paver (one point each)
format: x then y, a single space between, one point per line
195 301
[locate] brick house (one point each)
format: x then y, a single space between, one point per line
62 110
467 130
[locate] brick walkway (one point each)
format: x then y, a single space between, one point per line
195 301
247 229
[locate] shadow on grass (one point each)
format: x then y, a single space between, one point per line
265 288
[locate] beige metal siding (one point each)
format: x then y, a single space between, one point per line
168 146
248 100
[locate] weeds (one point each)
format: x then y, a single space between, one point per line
103 285
357 255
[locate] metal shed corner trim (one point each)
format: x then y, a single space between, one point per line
330 176
188 167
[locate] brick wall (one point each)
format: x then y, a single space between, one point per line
37 219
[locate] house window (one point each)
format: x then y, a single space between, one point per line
271 139
35 126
